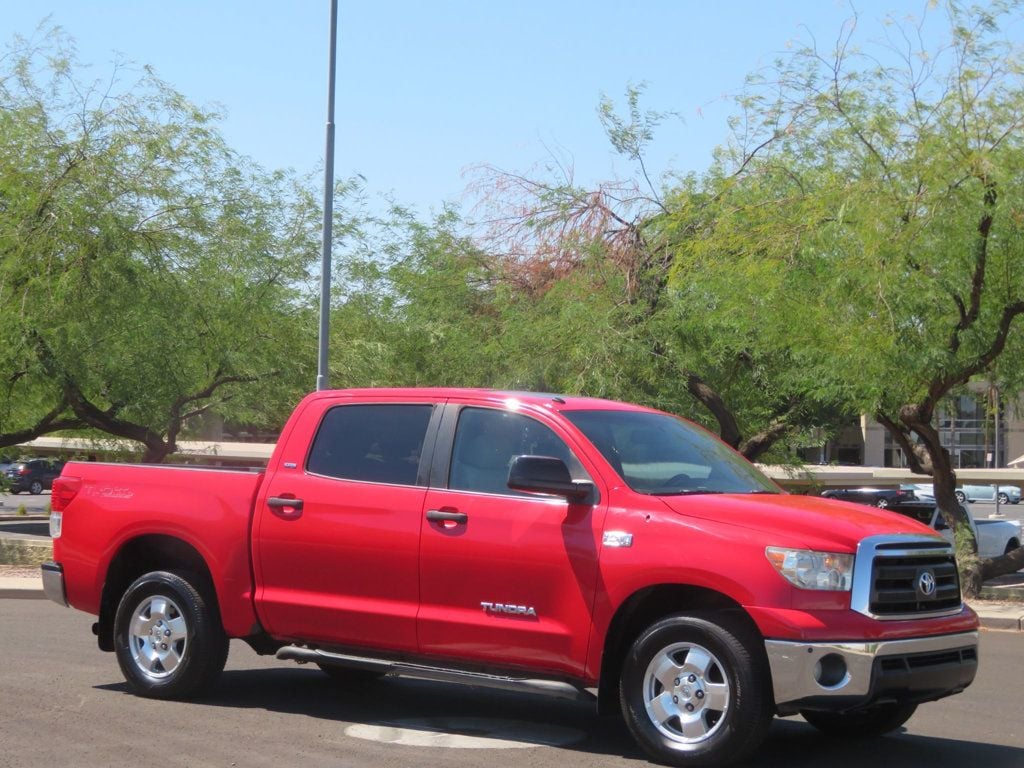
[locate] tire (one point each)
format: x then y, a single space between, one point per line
180 608
862 723
961 496
882 503
1011 545
36 488
1004 499
710 663
350 675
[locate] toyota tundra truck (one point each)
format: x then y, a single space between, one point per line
562 545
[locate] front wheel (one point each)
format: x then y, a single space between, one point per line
168 636
882 503
695 690
862 723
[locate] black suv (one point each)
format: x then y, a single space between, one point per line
33 475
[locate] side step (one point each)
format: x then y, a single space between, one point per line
555 688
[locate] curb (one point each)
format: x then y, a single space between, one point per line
31 591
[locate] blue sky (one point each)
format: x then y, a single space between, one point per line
427 90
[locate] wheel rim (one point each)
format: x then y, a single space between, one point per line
158 637
686 693
36 488
882 503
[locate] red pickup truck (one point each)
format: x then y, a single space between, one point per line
563 545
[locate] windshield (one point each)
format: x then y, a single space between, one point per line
658 454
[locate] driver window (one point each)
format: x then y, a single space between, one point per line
487 440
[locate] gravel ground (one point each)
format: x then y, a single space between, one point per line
19 571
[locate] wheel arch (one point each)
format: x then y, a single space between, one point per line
143 554
640 610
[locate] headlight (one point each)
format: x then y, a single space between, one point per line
806 569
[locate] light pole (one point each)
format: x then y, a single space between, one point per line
327 231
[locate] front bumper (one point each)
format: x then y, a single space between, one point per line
53 583
846 675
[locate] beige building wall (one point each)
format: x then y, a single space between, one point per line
873 435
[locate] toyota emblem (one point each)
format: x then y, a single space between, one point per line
926 583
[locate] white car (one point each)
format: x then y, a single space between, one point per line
995 537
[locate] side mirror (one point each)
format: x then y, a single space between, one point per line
546 474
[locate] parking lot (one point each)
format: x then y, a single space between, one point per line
11 503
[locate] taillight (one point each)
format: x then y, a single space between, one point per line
24 471
64 490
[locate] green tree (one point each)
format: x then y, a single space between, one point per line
149 274
882 189
639 258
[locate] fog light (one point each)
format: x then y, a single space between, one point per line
830 671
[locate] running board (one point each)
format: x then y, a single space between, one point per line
554 688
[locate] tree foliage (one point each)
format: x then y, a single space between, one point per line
882 188
147 273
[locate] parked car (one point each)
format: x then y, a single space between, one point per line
1007 494
877 497
994 537
550 544
33 475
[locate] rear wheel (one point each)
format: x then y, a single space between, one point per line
1011 545
1004 499
862 723
36 488
961 496
695 690
168 636
882 503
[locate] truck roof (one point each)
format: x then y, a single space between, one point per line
494 396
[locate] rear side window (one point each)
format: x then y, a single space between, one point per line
373 443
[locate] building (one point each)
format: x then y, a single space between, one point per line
977 433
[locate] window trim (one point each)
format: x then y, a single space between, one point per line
426 451
440 468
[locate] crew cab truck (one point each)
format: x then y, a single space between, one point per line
563 545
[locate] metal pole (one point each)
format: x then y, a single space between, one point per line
325 258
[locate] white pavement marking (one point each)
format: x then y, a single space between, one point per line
465 733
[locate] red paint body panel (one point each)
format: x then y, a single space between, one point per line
361 566
207 509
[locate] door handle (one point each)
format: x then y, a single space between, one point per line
286 509
440 516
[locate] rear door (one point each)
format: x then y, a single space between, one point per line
507 578
337 537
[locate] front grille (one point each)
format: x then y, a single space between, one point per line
907 583
889 581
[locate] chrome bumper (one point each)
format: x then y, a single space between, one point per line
53 583
844 674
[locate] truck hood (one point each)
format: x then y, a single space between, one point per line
790 520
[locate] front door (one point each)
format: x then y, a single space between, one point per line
506 578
